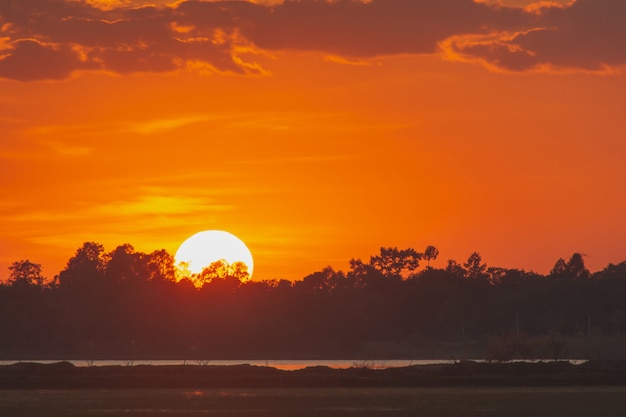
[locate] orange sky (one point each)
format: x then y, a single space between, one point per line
314 131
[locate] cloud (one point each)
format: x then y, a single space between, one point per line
347 61
160 125
143 127
29 60
589 35
107 222
155 205
51 39
70 150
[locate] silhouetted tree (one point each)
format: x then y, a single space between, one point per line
86 267
216 270
363 275
239 270
221 269
455 269
475 268
559 268
396 262
160 266
321 282
124 265
25 273
221 283
125 303
612 272
574 268
430 254
496 274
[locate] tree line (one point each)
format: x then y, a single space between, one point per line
126 304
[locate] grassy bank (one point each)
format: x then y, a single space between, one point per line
64 375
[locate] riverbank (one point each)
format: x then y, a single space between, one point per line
64 375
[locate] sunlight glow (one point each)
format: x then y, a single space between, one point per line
204 248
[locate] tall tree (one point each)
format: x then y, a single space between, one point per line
86 267
576 266
216 270
239 270
430 254
362 275
25 273
475 267
127 266
396 262
559 268
161 266
455 269
321 282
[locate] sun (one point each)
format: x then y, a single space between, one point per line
204 248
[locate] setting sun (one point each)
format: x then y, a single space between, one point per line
202 249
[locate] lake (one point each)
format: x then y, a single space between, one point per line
305 402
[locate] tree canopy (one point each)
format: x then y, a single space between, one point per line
127 303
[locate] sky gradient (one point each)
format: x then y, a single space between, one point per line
315 131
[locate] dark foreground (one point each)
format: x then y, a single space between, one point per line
594 389
328 402
64 375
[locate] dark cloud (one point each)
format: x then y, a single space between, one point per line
350 27
49 39
589 35
30 60
381 27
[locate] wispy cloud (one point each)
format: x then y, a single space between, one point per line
303 159
70 150
159 125
146 217
347 61
144 127
139 207
151 205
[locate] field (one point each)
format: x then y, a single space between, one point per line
363 402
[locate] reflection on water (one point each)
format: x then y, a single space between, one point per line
315 402
191 394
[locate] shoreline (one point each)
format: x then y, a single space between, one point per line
64 375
